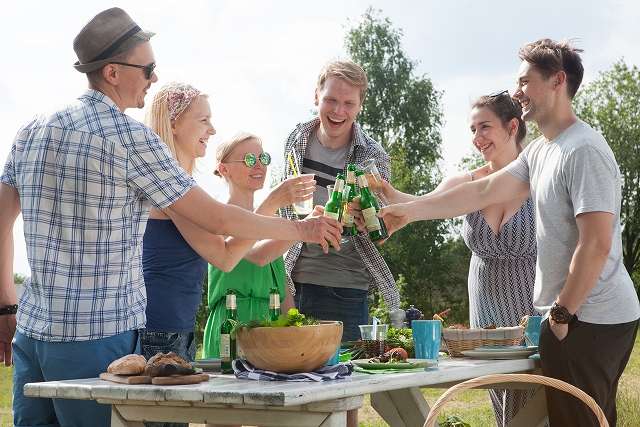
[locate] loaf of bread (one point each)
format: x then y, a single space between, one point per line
131 364
167 364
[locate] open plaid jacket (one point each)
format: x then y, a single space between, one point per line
362 148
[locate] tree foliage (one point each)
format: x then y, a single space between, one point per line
402 111
611 104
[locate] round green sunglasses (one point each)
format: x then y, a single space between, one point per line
250 159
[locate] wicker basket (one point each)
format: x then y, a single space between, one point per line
515 378
459 340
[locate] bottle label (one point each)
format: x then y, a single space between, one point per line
231 302
351 177
338 186
370 219
274 301
333 215
347 219
362 181
225 347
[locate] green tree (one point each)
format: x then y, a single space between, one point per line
611 104
402 111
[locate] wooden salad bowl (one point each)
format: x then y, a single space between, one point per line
290 349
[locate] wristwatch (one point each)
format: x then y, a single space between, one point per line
9 309
560 314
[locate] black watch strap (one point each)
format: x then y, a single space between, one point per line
9 309
560 314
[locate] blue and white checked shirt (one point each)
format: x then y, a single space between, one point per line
87 176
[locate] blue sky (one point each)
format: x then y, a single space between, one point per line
258 60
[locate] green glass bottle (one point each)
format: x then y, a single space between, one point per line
274 304
370 207
349 226
333 208
227 342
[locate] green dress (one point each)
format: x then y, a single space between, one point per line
251 283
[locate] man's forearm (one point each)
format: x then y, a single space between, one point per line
586 265
7 288
457 201
223 219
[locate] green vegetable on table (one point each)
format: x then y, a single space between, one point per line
292 318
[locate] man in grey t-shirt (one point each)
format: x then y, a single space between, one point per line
581 282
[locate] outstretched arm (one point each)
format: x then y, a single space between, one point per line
10 203
472 196
226 253
218 218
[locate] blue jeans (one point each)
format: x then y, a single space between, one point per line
181 343
36 361
350 306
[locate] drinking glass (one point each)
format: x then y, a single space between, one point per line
304 207
374 179
426 338
532 330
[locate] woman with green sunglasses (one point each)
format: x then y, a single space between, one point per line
243 165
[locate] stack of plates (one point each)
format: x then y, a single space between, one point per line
501 352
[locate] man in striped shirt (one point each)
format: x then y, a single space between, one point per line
84 179
335 286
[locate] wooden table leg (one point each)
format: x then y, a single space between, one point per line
118 421
401 408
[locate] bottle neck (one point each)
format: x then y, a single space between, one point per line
351 177
363 184
232 313
274 301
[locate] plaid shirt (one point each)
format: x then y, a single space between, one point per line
362 149
87 176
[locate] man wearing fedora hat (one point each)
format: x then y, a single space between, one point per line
84 179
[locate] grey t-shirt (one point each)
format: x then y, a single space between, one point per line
338 269
573 174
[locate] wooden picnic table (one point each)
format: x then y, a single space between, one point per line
225 399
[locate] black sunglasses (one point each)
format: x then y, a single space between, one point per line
250 159
148 69
504 93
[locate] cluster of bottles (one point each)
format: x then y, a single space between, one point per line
229 349
356 186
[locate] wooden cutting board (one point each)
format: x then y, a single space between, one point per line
125 379
143 379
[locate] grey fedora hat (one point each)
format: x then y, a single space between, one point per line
108 34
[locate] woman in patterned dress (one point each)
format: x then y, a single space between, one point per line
500 237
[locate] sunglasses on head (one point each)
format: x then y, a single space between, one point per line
502 93
250 159
148 69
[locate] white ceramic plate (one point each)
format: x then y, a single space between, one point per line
497 354
494 348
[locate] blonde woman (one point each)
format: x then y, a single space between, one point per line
242 163
175 251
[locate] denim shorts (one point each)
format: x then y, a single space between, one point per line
350 306
36 361
181 343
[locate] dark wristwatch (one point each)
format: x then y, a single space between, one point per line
560 314
9 309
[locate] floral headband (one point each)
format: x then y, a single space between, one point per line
179 96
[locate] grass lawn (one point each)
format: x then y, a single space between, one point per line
473 405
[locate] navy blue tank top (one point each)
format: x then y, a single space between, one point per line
173 274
